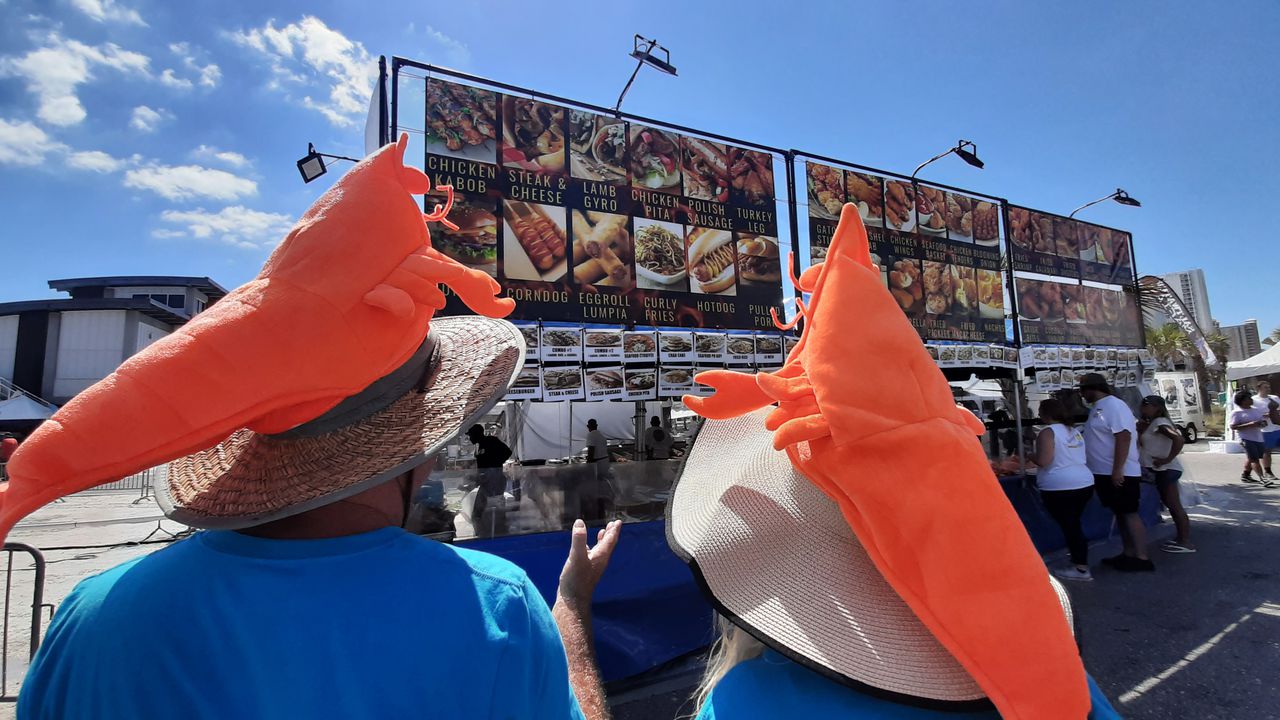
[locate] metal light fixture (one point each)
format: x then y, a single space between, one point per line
1119 196
966 150
643 53
312 166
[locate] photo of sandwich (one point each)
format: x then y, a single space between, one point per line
751 175
475 242
562 378
654 159
462 121
597 147
604 379
758 260
532 135
711 261
535 242
530 377
706 169
826 190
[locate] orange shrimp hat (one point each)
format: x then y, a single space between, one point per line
345 301
864 413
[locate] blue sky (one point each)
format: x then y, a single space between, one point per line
149 137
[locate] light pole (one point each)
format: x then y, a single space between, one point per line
1119 196
312 166
966 150
643 53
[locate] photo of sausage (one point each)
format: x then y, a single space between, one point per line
534 241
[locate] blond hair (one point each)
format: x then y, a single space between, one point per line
734 645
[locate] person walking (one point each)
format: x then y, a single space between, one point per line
491 455
1065 483
1270 431
1248 420
1111 451
1160 442
304 597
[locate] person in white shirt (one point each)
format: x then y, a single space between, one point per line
1160 442
1248 420
596 499
1270 431
1065 483
657 441
1111 450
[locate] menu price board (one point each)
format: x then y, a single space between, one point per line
709 347
768 349
1050 244
602 344
938 251
640 346
562 382
590 218
561 342
641 383
532 342
1075 314
675 381
605 383
675 347
740 349
528 384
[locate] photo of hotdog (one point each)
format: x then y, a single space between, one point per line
654 159
712 261
532 135
603 250
706 169
751 175
597 147
758 260
534 241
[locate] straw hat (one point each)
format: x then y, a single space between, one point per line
462 369
779 560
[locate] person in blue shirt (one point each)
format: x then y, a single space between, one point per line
309 600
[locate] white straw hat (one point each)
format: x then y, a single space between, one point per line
779 560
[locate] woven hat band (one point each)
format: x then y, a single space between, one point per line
380 394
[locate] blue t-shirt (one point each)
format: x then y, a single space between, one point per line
772 686
379 625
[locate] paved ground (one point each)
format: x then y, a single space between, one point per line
1200 638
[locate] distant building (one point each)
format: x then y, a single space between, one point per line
1244 338
55 348
1189 286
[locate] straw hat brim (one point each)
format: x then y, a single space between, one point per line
778 559
249 478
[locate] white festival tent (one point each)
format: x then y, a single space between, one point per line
21 407
1264 363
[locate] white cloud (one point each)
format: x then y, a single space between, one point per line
207 76
147 120
94 160
309 52
227 157
187 182
235 225
108 10
53 72
22 143
455 52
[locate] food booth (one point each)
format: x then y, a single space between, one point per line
641 252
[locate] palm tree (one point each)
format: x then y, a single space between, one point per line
1220 345
1168 344
1273 338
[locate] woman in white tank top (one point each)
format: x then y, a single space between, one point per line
1065 483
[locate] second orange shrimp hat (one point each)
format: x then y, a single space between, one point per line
324 374
866 416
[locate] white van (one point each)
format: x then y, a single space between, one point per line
1181 393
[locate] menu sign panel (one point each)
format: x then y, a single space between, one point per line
590 218
1071 313
938 251
1053 245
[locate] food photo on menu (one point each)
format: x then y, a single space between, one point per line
639 343
990 295
759 262
562 338
958 216
654 159
597 147
906 284
1031 231
826 191
986 224
899 206
565 378
766 345
1064 238
867 192
605 379
672 343
706 169
660 257
534 241
462 121
533 135
603 251
641 379
939 287
475 241
1073 304
965 295
931 205
751 175
740 345
710 343
603 338
712 262
530 376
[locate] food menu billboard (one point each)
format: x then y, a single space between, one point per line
584 217
938 250
1072 313
1050 244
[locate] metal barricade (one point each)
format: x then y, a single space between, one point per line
38 607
